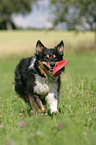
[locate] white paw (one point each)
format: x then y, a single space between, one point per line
53 111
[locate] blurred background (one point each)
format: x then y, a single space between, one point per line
48 20
48 14
22 23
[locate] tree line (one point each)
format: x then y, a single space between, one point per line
8 7
71 14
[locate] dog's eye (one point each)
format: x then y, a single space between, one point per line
56 59
46 59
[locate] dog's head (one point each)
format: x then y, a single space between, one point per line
47 58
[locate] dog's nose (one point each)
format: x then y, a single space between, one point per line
52 64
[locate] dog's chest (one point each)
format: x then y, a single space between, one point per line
44 86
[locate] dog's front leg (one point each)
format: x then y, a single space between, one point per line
36 103
52 101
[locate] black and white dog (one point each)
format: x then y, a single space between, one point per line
34 80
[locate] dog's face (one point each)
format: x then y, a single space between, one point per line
47 58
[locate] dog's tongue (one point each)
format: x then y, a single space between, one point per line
59 66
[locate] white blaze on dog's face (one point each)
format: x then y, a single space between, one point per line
48 58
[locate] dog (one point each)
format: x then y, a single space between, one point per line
34 80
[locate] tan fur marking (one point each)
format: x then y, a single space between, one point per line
60 49
33 104
47 56
46 63
41 68
39 49
42 107
35 107
54 56
42 71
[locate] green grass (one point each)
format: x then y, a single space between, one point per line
16 42
76 122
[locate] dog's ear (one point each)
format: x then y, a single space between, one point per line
39 47
60 47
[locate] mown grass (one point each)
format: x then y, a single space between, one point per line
17 42
76 122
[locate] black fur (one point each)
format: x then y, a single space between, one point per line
25 75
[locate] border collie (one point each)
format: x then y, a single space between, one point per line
34 80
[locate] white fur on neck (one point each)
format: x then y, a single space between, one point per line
32 63
44 85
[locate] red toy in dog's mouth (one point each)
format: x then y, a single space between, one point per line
60 65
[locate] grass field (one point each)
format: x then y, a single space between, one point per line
76 122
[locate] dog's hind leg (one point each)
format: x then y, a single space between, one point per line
36 104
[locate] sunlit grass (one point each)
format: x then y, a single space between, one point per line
18 42
76 122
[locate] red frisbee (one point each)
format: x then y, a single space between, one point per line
59 66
